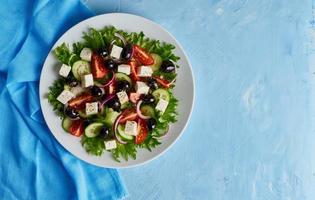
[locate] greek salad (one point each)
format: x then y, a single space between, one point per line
115 91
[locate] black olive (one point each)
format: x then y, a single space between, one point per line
86 122
103 52
71 113
151 124
104 132
148 98
96 91
123 85
110 64
127 52
167 66
72 81
114 103
152 84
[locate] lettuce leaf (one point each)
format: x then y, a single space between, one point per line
53 93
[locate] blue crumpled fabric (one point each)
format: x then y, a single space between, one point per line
32 163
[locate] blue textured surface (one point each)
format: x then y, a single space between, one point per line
32 163
251 135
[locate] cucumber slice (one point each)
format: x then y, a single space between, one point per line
66 123
121 76
157 62
121 132
111 117
81 68
93 129
161 94
147 110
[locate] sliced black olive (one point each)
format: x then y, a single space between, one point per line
167 66
151 124
114 104
86 122
71 81
152 84
110 64
127 52
96 91
103 52
123 85
148 98
71 113
104 132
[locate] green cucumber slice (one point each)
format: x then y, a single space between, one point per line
111 117
121 132
121 76
81 68
161 94
157 62
93 129
66 123
147 110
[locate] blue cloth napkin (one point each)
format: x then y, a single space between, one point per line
32 163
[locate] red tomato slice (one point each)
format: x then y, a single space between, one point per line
142 131
142 56
76 128
79 102
97 66
128 115
134 97
162 82
133 67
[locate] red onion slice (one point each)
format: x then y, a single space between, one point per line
139 111
118 138
173 81
121 38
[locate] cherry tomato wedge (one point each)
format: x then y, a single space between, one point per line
128 115
142 131
79 102
133 67
164 83
97 66
76 128
134 97
142 56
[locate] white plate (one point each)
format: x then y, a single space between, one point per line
184 89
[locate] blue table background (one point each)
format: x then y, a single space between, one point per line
252 134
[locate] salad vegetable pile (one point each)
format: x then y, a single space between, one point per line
115 91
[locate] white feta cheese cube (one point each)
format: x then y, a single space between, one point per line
116 51
131 128
110 144
64 70
65 96
124 69
91 108
123 97
161 105
145 71
87 80
86 54
142 88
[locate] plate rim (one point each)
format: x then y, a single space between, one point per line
190 110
